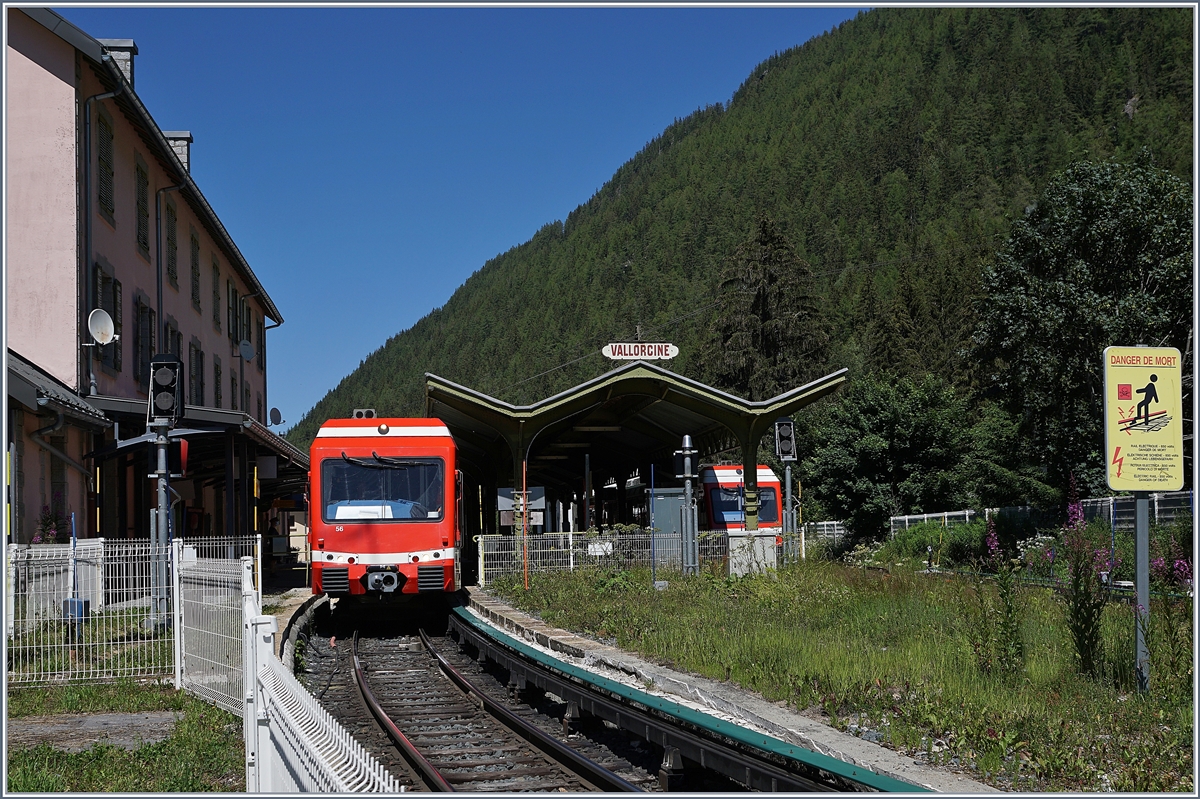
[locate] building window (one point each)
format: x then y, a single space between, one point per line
195 272
246 397
172 247
258 406
216 272
247 320
145 324
261 355
216 381
173 345
104 165
107 295
142 181
233 395
195 374
231 314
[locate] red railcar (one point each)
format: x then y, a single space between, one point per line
723 502
384 509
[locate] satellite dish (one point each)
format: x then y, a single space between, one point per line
276 417
245 350
100 325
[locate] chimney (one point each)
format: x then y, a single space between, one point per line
181 143
122 52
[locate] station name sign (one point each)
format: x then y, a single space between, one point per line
640 350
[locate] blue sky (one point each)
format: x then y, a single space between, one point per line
368 160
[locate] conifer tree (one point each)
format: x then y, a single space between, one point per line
769 335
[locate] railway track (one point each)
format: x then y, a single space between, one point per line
427 707
456 735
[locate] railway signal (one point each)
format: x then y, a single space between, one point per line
785 439
166 387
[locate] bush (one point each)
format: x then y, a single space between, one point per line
956 545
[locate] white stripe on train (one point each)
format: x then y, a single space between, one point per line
373 432
381 558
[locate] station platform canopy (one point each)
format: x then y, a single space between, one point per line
626 419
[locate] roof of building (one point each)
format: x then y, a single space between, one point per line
111 76
33 387
631 415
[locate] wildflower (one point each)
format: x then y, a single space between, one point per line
1074 507
1159 570
993 541
1183 572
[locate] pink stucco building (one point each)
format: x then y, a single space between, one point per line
102 212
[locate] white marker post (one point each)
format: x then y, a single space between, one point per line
1143 452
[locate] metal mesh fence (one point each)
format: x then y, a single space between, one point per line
1120 512
102 610
96 611
502 555
946 519
826 532
210 605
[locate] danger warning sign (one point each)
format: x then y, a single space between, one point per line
1143 420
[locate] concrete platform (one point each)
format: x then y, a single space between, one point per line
721 699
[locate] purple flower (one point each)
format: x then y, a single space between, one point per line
993 541
1183 572
1159 569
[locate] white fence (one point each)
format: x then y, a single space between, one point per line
104 610
946 519
97 611
1118 511
292 744
822 531
503 555
210 627
190 610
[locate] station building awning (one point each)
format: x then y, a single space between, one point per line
630 417
227 451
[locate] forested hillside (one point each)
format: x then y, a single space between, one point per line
892 156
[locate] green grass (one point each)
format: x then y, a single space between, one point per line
204 752
892 652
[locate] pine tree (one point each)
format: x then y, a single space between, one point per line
769 334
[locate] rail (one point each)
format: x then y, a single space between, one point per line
595 773
433 778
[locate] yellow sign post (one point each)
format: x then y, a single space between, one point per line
1143 450
1143 418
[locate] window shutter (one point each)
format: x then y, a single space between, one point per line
195 273
172 247
231 310
118 325
143 209
216 381
97 302
216 295
104 166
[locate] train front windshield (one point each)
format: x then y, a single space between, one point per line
727 505
382 489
